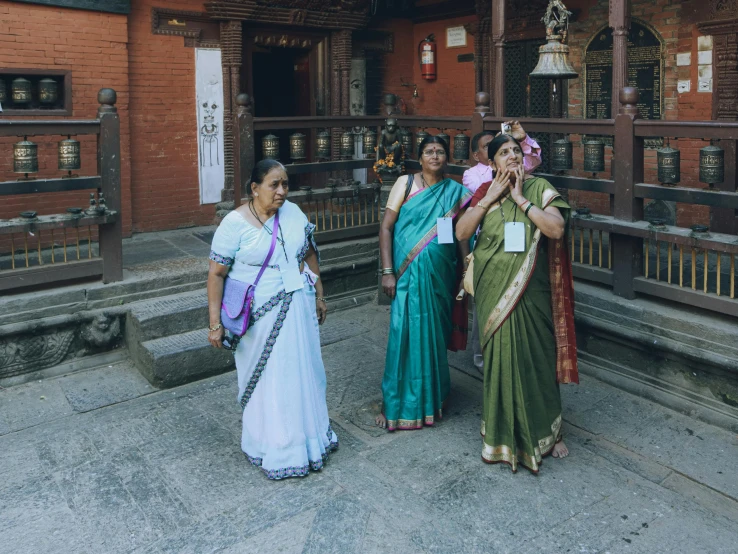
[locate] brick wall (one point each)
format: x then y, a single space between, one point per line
94 46
163 123
665 17
452 93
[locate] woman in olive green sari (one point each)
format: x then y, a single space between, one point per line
523 294
419 261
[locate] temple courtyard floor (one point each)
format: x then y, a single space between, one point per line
101 462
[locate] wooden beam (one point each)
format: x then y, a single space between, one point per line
50 273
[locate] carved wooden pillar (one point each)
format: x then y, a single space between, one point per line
620 24
340 85
231 40
480 30
498 38
725 108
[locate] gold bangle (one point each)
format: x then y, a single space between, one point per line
480 205
215 327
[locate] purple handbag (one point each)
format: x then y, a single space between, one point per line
238 296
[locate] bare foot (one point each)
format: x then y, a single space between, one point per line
381 421
560 450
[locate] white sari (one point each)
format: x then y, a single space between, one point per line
281 377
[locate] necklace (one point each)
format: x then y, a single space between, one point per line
280 238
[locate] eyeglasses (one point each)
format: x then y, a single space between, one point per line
431 153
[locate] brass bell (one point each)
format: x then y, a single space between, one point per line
553 57
69 155
444 137
594 156
48 91
420 136
406 139
3 92
298 147
270 147
461 147
347 145
667 162
25 157
323 143
21 90
369 139
561 157
712 164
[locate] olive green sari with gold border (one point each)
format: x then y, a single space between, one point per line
521 419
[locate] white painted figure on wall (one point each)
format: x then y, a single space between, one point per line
209 112
209 136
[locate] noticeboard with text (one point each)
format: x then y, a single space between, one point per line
645 71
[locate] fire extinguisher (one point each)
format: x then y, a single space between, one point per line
427 55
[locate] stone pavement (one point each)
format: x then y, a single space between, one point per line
100 462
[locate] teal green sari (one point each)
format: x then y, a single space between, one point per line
416 376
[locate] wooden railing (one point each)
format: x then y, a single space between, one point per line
50 249
618 249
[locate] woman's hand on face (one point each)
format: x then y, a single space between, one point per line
321 310
389 285
498 187
516 189
216 337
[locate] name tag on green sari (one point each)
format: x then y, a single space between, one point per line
515 237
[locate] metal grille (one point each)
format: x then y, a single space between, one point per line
515 79
526 97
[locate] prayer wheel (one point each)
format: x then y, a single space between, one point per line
445 138
25 157
48 91
406 139
419 137
21 90
298 147
3 92
594 156
323 150
712 164
561 157
347 145
369 139
69 155
270 147
461 147
667 163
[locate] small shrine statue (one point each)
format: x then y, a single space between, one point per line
556 20
390 154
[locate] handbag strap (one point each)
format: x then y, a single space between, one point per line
275 230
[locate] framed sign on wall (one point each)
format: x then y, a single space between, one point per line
455 37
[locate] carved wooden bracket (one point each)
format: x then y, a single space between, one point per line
197 28
326 14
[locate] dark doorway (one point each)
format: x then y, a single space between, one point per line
281 82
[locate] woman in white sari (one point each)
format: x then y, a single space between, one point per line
281 377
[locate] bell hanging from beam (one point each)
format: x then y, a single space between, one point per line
553 57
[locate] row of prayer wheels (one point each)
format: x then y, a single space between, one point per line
298 145
21 92
25 156
712 161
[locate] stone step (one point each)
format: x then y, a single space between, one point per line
168 315
177 359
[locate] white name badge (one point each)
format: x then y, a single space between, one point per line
291 277
445 229
515 237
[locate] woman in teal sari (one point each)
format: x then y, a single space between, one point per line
419 261
523 291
